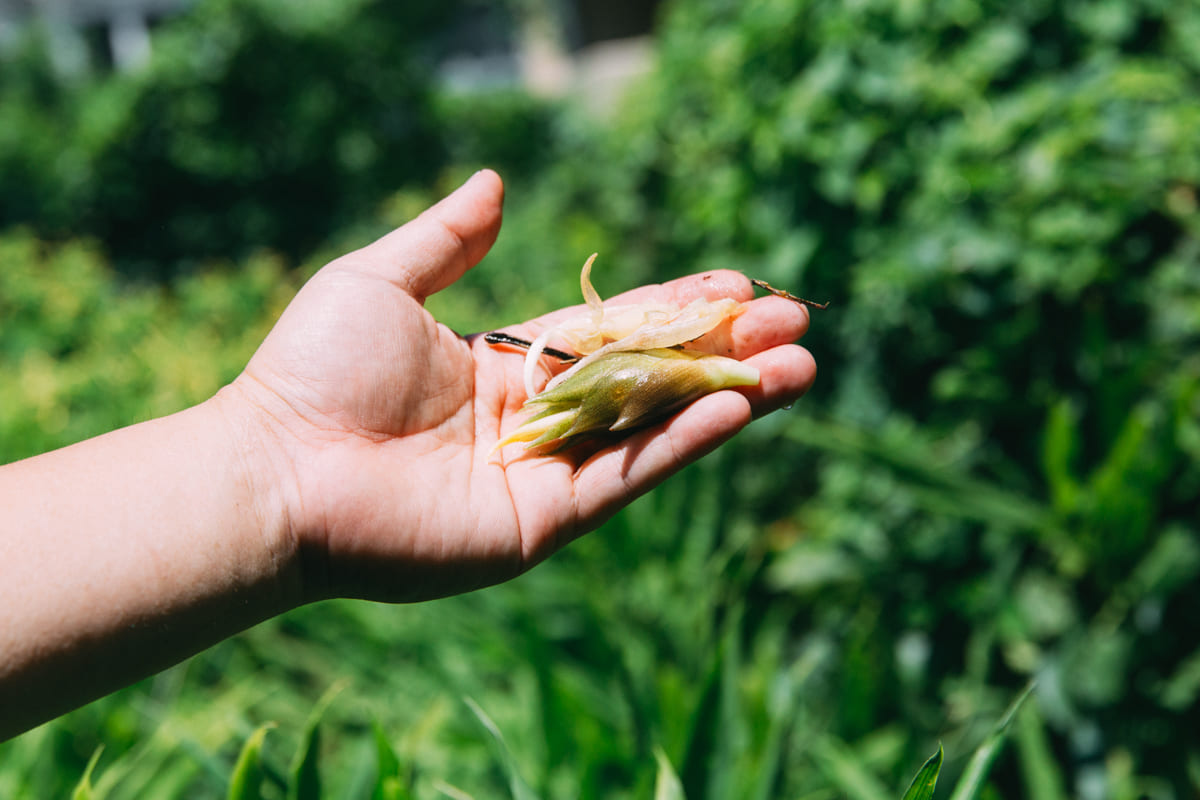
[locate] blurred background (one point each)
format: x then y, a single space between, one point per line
994 480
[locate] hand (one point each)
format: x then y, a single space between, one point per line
379 421
352 457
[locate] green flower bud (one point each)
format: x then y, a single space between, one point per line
623 390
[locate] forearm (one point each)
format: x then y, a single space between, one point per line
129 552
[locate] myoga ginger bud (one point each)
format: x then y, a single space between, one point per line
601 329
622 390
636 364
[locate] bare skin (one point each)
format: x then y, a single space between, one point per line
349 459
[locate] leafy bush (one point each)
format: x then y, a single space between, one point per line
257 124
84 353
1000 201
993 478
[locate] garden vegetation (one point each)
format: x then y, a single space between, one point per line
993 484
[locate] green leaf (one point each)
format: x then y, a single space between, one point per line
391 788
843 768
517 785
84 790
1040 773
246 781
1060 445
923 785
667 785
305 777
972 781
389 785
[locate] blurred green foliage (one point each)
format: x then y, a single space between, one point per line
84 353
256 125
993 481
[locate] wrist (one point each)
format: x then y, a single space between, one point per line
133 550
263 473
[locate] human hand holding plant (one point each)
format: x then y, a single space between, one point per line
382 421
353 457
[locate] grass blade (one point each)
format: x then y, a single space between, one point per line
389 785
843 769
1040 773
83 789
923 785
517 785
667 785
975 775
246 781
305 777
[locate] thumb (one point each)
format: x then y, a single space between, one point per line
434 250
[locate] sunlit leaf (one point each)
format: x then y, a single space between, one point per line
667 785
925 782
84 789
245 783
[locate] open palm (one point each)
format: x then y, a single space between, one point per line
382 420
